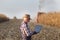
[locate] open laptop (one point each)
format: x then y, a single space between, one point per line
38 28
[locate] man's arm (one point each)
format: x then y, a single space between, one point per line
24 30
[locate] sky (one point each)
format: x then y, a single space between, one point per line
49 5
18 8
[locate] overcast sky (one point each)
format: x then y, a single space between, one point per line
20 7
49 5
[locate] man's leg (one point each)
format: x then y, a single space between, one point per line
28 38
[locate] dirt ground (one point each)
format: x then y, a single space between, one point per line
10 31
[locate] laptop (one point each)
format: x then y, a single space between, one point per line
38 28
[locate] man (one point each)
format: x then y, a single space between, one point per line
25 31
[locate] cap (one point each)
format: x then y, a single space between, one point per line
27 16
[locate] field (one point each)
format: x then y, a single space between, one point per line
9 30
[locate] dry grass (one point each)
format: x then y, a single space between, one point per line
3 18
50 18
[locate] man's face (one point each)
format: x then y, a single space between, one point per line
26 19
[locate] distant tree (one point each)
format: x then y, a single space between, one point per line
15 17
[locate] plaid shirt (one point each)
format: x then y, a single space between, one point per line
25 31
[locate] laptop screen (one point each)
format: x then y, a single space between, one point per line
38 28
